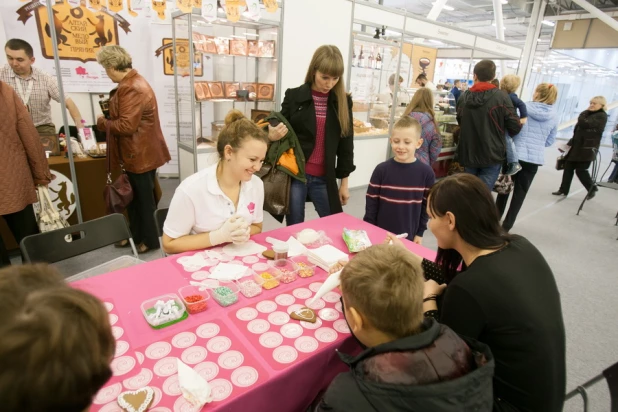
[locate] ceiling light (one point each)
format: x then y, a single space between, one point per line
504 1
548 23
445 7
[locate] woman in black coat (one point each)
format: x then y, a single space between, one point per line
583 147
320 112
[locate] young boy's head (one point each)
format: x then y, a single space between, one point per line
457 83
510 83
382 291
56 342
406 139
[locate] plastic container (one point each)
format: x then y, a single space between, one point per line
306 269
270 278
194 299
281 253
149 310
250 286
226 293
288 271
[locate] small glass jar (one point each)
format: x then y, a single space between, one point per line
281 253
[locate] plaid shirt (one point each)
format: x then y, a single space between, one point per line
44 89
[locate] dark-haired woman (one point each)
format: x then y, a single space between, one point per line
505 296
224 202
320 112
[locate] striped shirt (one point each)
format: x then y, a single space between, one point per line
397 197
316 164
44 88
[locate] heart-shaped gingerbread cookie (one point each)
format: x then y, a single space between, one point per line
269 254
136 401
304 313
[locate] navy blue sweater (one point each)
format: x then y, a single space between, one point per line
397 197
519 104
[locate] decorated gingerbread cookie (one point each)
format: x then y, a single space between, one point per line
304 313
136 401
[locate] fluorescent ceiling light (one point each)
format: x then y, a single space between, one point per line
548 23
445 7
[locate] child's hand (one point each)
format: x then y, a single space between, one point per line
337 267
418 240
523 121
433 288
393 240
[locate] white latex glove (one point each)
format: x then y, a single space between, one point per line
224 233
241 235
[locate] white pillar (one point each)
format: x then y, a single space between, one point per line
499 20
527 57
436 10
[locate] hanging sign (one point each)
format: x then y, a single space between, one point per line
160 7
232 11
197 4
271 5
115 5
97 4
253 8
184 5
209 10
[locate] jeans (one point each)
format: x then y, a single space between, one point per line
613 177
521 182
488 174
581 169
511 152
141 209
316 188
21 224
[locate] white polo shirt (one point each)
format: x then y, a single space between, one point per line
199 205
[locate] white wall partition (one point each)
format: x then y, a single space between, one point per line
307 26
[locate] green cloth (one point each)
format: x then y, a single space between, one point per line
290 140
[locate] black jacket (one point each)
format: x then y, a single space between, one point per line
298 108
485 116
434 370
587 136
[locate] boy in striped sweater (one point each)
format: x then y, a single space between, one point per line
397 194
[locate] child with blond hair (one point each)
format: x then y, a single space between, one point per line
411 363
510 83
397 193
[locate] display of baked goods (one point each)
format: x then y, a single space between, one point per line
199 92
216 90
251 88
360 126
230 89
205 90
266 48
372 132
253 48
209 44
223 45
198 43
238 47
265 91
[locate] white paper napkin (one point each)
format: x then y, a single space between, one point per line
244 249
194 388
326 255
226 271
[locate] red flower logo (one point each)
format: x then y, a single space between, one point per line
81 71
251 207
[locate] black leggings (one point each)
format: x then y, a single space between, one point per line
522 181
21 224
579 168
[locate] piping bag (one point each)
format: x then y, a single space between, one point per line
329 284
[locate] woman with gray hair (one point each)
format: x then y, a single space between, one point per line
583 147
135 140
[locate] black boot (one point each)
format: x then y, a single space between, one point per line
559 193
592 193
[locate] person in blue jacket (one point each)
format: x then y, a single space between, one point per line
537 133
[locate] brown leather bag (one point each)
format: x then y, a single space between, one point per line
276 189
118 194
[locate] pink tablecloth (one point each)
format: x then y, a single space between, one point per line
254 358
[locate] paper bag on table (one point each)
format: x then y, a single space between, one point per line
194 388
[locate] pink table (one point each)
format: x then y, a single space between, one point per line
252 355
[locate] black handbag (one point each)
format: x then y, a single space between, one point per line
117 194
560 161
276 189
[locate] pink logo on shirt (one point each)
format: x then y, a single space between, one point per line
251 207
